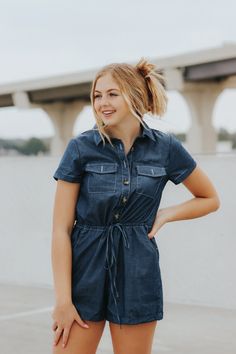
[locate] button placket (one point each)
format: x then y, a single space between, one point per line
125 180
126 176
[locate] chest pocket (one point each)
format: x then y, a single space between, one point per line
148 179
101 177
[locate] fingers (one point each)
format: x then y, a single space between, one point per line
54 326
64 332
152 233
65 335
81 322
58 334
62 325
59 331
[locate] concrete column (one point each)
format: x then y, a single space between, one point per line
202 136
63 116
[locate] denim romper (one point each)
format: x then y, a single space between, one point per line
115 266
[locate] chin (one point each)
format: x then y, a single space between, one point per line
110 123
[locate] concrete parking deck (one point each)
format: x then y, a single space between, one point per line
25 326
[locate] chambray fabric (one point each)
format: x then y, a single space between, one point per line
115 266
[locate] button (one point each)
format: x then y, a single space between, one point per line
117 215
126 181
124 199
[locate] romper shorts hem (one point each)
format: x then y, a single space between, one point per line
158 317
89 317
124 320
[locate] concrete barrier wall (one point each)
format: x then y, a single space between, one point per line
197 257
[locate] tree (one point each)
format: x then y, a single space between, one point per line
32 147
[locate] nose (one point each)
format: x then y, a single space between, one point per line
104 101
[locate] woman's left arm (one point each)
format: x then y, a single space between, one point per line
205 201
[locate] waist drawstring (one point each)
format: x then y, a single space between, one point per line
111 260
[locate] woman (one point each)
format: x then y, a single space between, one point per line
110 179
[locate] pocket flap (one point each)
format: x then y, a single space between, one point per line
152 171
101 168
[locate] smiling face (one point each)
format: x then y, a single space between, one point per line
109 103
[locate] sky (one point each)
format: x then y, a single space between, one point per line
47 37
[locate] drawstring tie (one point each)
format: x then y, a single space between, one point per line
111 260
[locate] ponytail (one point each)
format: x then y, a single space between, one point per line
156 84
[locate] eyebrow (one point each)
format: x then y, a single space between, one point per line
108 90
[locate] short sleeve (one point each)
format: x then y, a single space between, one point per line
69 168
181 163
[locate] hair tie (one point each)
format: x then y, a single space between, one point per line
144 67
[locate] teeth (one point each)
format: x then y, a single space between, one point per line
106 112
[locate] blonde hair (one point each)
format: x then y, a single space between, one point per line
142 86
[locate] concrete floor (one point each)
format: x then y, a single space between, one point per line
25 326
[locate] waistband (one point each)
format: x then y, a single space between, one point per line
103 227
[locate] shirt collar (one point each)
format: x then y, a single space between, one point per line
146 131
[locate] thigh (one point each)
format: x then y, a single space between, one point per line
82 340
132 339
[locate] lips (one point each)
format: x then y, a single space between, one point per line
107 113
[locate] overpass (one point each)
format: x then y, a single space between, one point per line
199 76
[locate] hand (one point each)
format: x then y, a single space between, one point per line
162 217
64 316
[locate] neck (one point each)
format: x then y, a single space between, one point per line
125 133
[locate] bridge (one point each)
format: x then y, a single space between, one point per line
200 77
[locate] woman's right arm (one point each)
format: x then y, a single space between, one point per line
64 312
